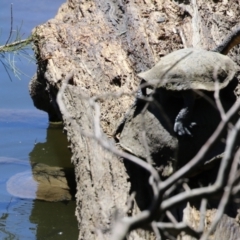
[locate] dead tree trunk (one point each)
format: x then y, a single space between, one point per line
99 46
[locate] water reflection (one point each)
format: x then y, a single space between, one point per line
66 228
43 182
14 222
23 136
54 150
22 218
60 222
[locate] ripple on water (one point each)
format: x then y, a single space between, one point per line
38 181
22 185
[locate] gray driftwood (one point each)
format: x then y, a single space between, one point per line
103 45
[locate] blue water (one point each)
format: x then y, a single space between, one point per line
25 135
26 15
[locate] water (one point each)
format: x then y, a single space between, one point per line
25 136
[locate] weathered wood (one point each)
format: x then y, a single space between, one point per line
227 228
104 44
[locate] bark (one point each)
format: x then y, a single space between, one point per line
227 228
102 45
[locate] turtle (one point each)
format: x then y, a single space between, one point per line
187 71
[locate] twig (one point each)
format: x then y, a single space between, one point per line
171 217
192 164
156 231
229 187
180 33
24 42
216 94
221 178
202 209
178 228
11 26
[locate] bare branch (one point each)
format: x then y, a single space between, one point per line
203 209
227 189
203 151
171 217
20 44
220 181
178 228
216 94
156 231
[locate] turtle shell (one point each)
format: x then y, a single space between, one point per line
191 69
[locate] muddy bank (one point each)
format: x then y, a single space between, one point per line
96 48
